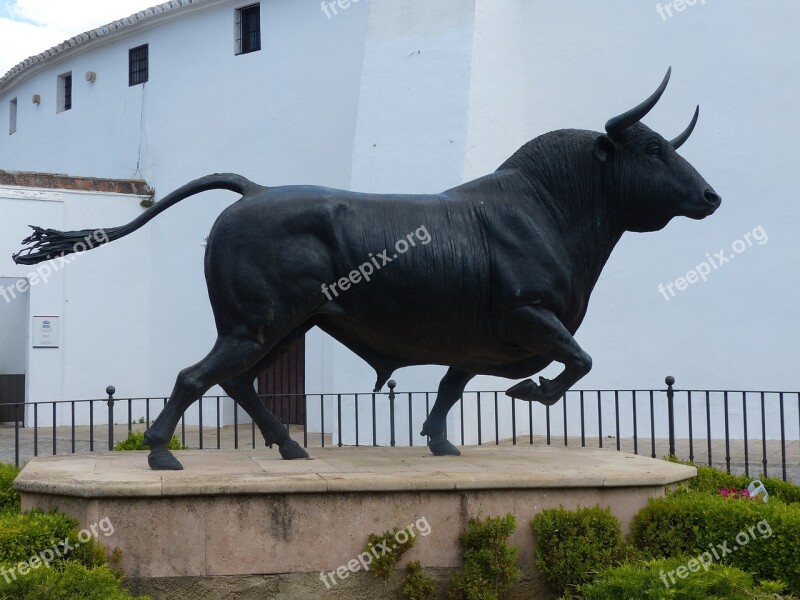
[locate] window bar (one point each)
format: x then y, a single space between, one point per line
564 400
54 428
616 416
219 428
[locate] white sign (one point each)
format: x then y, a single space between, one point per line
46 332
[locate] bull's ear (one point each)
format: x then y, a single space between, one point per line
603 147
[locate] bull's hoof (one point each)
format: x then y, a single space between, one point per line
291 450
163 460
528 390
442 447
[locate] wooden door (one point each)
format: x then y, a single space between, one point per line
282 384
12 391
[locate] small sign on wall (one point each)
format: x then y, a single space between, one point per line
46 332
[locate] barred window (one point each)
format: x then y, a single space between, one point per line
12 116
138 65
64 92
248 29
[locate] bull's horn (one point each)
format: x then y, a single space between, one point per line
620 123
678 141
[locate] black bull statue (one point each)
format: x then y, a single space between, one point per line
491 277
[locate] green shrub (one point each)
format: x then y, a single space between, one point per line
385 563
9 497
490 564
651 581
573 546
69 581
135 441
711 480
694 524
25 535
417 585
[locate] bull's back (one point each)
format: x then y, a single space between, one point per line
407 269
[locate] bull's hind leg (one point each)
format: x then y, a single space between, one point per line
451 387
231 356
241 389
540 331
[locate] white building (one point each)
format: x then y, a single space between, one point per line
402 96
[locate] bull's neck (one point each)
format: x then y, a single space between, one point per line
565 184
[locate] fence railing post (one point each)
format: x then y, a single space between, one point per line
670 381
110 390
392 384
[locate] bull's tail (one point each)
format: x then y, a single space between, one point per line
46 244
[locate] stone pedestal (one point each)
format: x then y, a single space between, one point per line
235 514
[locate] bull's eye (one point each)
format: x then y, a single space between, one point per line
653 150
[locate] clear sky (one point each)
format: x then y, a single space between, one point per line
28 27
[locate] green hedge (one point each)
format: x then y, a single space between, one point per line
25 535
573 546
135 441
650 581
9 497
70 581
692 523
711 480
490 562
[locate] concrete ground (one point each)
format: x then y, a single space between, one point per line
43 443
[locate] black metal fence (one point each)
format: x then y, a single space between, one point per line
741 431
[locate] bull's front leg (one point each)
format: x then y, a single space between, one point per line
539 330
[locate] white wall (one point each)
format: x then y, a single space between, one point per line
13 329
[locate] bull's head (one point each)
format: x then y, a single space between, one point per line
653 181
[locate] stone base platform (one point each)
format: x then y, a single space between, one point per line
234 515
